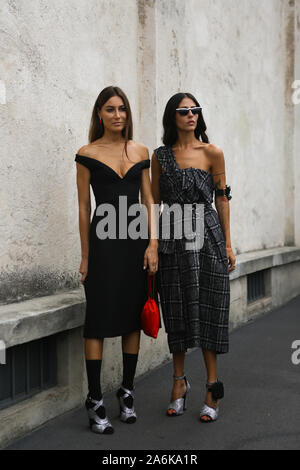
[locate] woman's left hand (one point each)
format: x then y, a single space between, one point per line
151 259
231 259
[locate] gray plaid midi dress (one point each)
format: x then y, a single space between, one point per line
193 285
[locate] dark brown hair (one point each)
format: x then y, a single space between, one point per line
170 135
96 128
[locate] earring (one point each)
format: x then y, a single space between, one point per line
100 120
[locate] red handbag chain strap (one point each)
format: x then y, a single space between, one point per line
151 286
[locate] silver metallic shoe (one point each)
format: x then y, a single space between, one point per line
127 415
179 405
97 424
217 392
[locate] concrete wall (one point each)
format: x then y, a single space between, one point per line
297 124
240 62
55 58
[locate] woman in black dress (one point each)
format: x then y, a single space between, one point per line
193 283
113 264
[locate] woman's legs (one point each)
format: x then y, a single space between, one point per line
93 348
93 356
179 386
131 342
130 349
210 359
93 361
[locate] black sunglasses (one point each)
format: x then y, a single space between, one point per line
185 111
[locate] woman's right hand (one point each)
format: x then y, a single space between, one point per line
83 269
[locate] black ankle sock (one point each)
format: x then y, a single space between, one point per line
129 368
93 370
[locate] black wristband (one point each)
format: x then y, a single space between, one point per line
224 192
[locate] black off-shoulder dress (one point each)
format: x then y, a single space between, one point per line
116 283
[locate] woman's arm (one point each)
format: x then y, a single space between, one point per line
219 180
221 202
151 257
155 174
84 205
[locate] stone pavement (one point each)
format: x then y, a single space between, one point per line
260 410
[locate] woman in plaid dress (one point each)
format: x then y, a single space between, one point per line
193 282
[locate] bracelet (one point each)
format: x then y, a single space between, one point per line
224 192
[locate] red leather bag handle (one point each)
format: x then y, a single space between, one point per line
151 286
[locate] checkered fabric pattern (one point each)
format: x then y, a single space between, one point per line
193 285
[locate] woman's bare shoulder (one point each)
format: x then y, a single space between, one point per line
213 150
140 149
216 158
86 150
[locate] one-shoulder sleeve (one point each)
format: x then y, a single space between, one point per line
163 156
85 161
158 150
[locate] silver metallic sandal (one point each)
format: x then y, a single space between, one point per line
97 424
179 405
217 392
127 415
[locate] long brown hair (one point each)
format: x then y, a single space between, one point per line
96 128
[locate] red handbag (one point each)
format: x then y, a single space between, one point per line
150 314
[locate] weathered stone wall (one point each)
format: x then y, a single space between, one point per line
239 61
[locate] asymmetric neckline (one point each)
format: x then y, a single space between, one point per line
188 168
